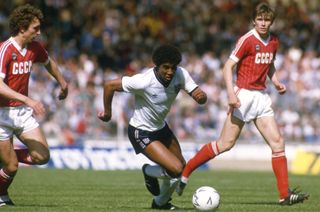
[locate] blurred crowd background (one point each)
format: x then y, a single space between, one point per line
96 40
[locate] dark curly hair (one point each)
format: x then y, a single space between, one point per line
166 54
21 18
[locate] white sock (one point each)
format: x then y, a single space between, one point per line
167 188
156 171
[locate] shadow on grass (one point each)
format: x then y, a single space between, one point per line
39 206
178 209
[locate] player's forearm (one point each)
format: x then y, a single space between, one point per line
108 92
271 74
8 93
107 98
54 71
227 75
274 78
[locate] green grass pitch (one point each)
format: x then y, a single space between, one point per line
82 190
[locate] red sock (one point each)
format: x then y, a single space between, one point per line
24 156
280 169
5 181
207 152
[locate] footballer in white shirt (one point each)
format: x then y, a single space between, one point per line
155 91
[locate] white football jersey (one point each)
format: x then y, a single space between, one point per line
152 100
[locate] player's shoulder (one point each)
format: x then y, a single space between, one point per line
145 73
181 70
7 44
274 36
35 45
7 50
247 37
143 76
182 74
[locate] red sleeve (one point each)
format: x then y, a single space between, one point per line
4 61
241 49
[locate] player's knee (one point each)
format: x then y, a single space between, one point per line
11 168
280 140
226 146
277 144
174 175
176 170
40 158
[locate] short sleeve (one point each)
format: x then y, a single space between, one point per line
134 83
189 84
4 61
240 50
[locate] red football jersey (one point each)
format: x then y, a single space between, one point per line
254 57
16 64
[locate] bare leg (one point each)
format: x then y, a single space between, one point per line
38 150
269 130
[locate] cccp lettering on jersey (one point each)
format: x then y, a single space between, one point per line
264 57
21 67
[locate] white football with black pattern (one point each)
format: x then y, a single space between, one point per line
206 198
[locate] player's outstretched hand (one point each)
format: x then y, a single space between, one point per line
63 92
104 116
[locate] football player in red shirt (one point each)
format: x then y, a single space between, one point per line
253 57
17 54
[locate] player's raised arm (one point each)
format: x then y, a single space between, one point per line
108 91
54 71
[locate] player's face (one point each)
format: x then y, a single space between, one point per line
33 31
167 71
262 24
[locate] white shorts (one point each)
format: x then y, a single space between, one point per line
254 104
16 120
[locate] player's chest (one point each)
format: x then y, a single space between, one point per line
21 64
160 94
263 54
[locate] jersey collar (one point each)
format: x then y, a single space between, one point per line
264 41
23 51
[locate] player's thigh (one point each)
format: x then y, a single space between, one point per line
8 157
35 140
175 148
230 132
160 154
268 128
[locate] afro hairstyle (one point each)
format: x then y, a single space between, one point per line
166 54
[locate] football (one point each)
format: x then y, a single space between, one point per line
206 198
